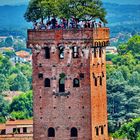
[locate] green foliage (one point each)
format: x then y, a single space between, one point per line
2 44
5 65
9 53
14 78
4 109
132 46
135 79
109 57
123 80
83 9
20 115
9 42
4 85
130 130
19 83
22 106
34 11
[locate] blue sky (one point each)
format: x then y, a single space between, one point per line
15 2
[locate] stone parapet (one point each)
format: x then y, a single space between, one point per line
59 35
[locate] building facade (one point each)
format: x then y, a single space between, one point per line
69 83
16 127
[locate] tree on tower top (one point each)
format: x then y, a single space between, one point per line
80 9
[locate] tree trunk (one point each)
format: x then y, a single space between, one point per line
42 19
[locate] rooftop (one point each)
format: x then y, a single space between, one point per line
23 54
19 122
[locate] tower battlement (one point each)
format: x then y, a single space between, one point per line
96 36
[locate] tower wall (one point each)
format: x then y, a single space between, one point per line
83 107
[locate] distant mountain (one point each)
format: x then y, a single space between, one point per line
12 20
136 2
121 18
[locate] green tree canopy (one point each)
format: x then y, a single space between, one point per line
81 9
40 9
132 46
4 109
9 42
130 130
22 106
4 85
19 82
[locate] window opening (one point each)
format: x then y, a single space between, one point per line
76 83
100 52
95 49
47 82
97 131
61 52
102 130
75 52
24 129
3 132
47 52
62 83
16 130
51 132
40 75
101 81
74 132
95 80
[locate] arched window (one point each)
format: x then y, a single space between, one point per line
61 52
51 132
47 52
62 83
75 52
74 132
40 75
76 83
47 82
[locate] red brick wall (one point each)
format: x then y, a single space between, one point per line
85 107
98 96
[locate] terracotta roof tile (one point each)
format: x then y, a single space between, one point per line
19 122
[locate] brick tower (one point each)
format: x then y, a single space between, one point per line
69 83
